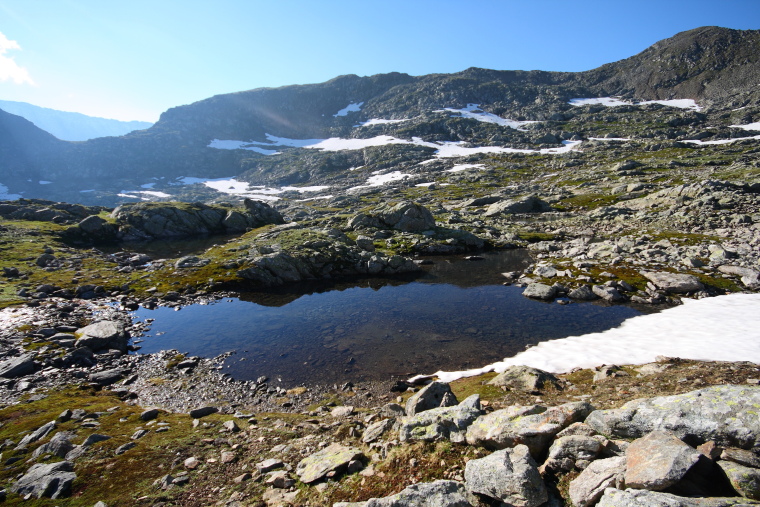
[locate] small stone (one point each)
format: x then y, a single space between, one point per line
228 457
149 414
231 426
191 463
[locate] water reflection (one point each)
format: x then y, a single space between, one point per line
455 316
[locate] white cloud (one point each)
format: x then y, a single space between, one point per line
9 69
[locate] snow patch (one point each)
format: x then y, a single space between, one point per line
351 108
463 167
695 330
43 182
474 112
614 101
379 121
222 144
749 126
718 141
315 188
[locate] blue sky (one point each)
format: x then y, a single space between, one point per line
132 60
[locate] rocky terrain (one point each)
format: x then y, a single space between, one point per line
622 200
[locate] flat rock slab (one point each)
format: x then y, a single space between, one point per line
508 475
643 498
53 480
332 458
431 494
725 414
509 427
18 366
658 461
673 282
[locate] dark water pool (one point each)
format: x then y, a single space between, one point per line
457 316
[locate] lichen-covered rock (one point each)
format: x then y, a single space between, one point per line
523 378
431 494
376 430
658 461
433 395
745 480
586 489
52 480
508 475
445 423
644 498
725 414
510 427
333 458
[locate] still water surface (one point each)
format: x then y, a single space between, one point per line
456 316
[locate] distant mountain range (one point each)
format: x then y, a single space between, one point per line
315 133
71 126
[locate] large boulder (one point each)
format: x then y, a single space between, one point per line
445 423
533 426
523 378
529 204
658 461
725 414
406 216
52 480
103 335
540 291
509 475
673 282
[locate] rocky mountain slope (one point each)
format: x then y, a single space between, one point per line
278 136
71 126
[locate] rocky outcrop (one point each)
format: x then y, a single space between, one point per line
405 216
717 413
146 221
533 426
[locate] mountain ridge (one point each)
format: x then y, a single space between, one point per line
71 126
719 69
